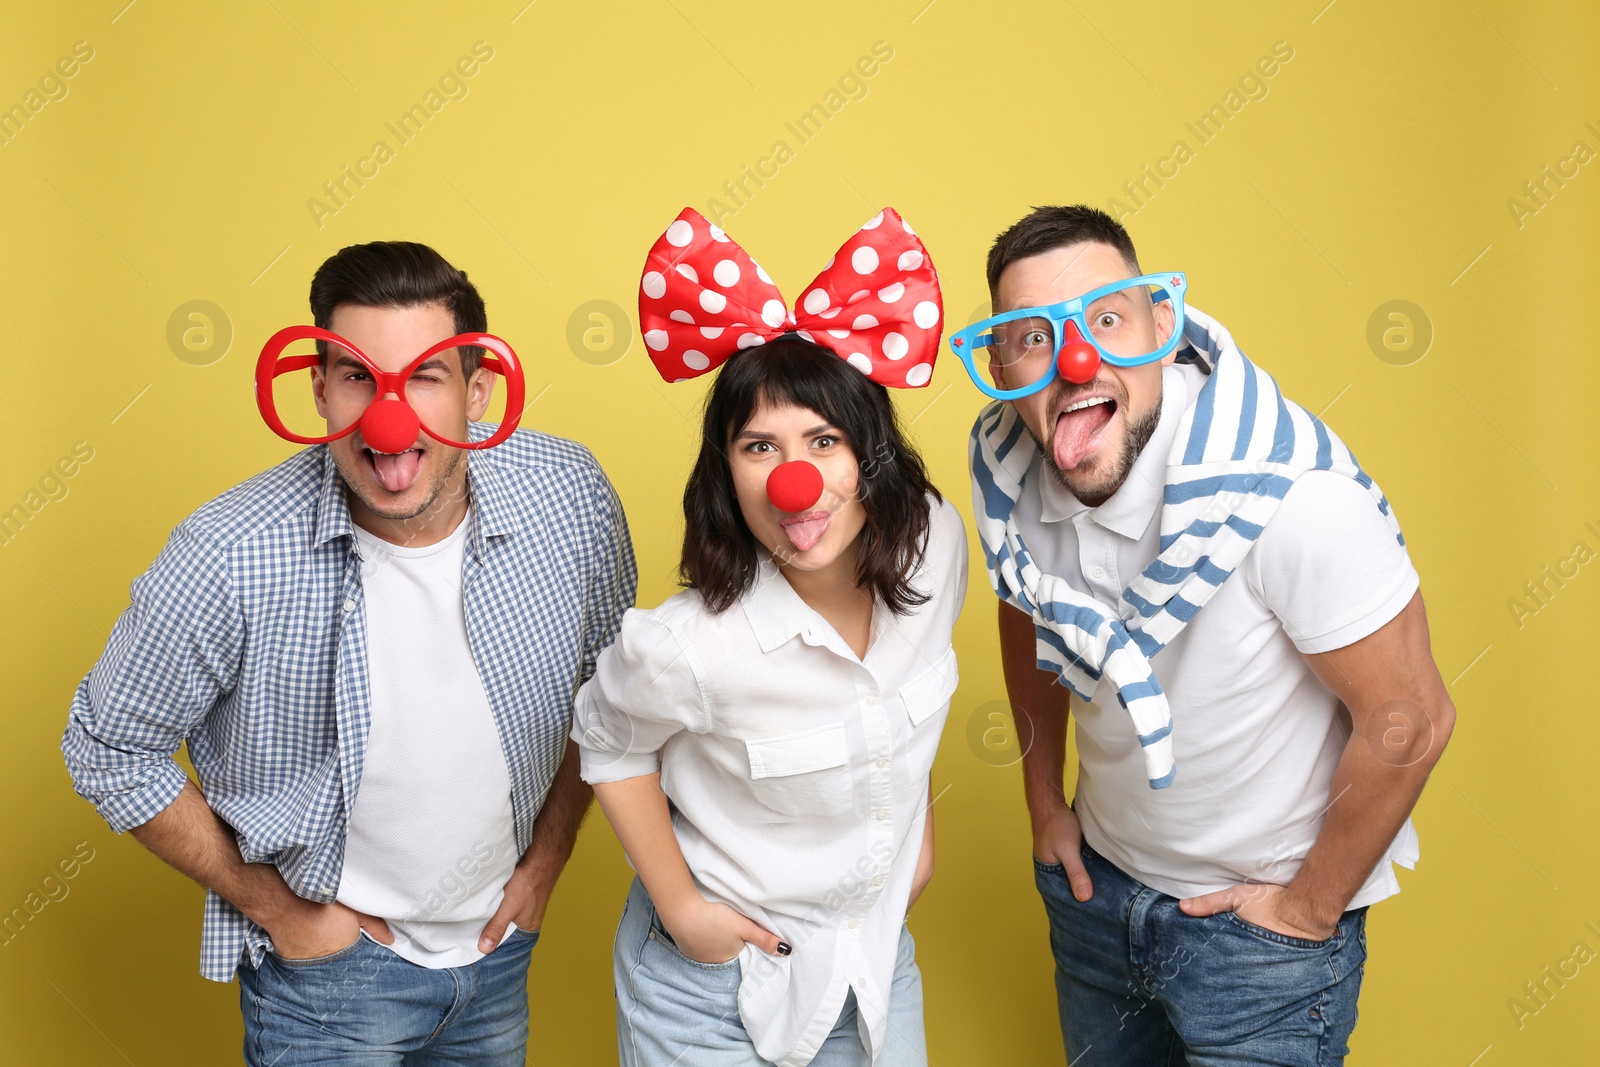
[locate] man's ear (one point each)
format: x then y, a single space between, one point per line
1166 319
319 387
997 374
480 388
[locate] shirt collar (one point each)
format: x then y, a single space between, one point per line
775 610
1135 503
777 614
494 512
333 509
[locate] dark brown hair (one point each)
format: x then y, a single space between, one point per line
398 274
720 557
1046 228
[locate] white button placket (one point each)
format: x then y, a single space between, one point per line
1097 559
880 813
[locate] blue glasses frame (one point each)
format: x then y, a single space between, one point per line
1170 286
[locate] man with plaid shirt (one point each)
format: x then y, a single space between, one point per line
371 656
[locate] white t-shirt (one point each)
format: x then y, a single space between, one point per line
798 775
1256 735
431 842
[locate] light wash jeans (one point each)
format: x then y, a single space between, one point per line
363 1006
673 1011
1140 982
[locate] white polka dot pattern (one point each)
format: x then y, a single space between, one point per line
702 299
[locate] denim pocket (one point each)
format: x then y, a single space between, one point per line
314 961
1051 875
1264 934
1050 879
658 934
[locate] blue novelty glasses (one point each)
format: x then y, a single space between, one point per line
1034 345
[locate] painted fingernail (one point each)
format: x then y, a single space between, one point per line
784 949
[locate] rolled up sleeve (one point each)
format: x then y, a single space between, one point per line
172 655
646 689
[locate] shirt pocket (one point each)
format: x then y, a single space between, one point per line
803 774
931 690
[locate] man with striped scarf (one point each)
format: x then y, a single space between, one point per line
1228 595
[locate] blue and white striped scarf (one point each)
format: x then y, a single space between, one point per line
1239 447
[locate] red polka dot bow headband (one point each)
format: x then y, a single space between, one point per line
876 303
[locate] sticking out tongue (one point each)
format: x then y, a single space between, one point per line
805 533
397 472
1076 433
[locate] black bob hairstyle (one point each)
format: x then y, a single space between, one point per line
720 557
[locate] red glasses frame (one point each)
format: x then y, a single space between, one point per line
498 358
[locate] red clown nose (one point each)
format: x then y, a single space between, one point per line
794 486
390 426
1078 361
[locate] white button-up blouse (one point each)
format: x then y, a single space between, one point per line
797 772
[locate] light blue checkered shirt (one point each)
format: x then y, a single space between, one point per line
247 639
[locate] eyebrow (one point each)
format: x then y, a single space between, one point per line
757 435
437 363
1019 305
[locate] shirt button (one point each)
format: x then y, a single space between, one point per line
880 814
871 700
349 605
854 924
878 880
883 761
1099 572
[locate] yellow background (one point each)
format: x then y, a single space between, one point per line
1378 167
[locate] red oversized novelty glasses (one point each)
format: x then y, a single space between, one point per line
389 423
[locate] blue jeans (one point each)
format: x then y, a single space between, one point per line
364 1006
672 1010
1139 982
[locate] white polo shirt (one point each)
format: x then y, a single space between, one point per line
797 772
1256 735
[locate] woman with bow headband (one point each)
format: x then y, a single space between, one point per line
762 741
